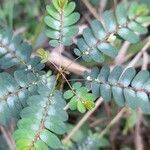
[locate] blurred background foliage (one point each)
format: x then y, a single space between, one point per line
26 17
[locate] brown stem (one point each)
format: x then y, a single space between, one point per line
91 9
7 135
67 63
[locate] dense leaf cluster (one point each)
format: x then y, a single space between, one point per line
126 87
97 40
60 22
30 95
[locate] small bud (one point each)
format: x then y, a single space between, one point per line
86 53
88 78
43 54
62 3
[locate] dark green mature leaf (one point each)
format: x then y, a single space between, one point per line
13 51
126 87
13 95
61 22
98 40
16 90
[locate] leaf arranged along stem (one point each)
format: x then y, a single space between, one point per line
97 39
13 51
15 91
43 119
60 22
31 93
80 98
126 87
30 85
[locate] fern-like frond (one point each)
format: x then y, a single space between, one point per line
126 87
13 51
13 95
80 97
42 120
61 22
15 91
127 24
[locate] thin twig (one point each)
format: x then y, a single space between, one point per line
102 6
122 53
145 61
116 119
138 137
20 30
82 121
91 9
7 135
66 63
139 55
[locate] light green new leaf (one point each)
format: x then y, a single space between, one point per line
60 22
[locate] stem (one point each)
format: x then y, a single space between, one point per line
7 135
67 64
91 9
138 137
115 120
145 61
122 53
139 55
61 36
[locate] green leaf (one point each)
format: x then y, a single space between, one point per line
81 99
143 101
105 91
68 94
110 21
76 85
41 145
121 14
136 27
128 35
98 39
71 19
60 21
55 125
43 54
127 77
142 10
118 95
98 29
140 79
125 87
13 50
81 107
50 139
73 103
133 10
47 104
108 49
115 74
52 23
13 95
89 104
143 19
